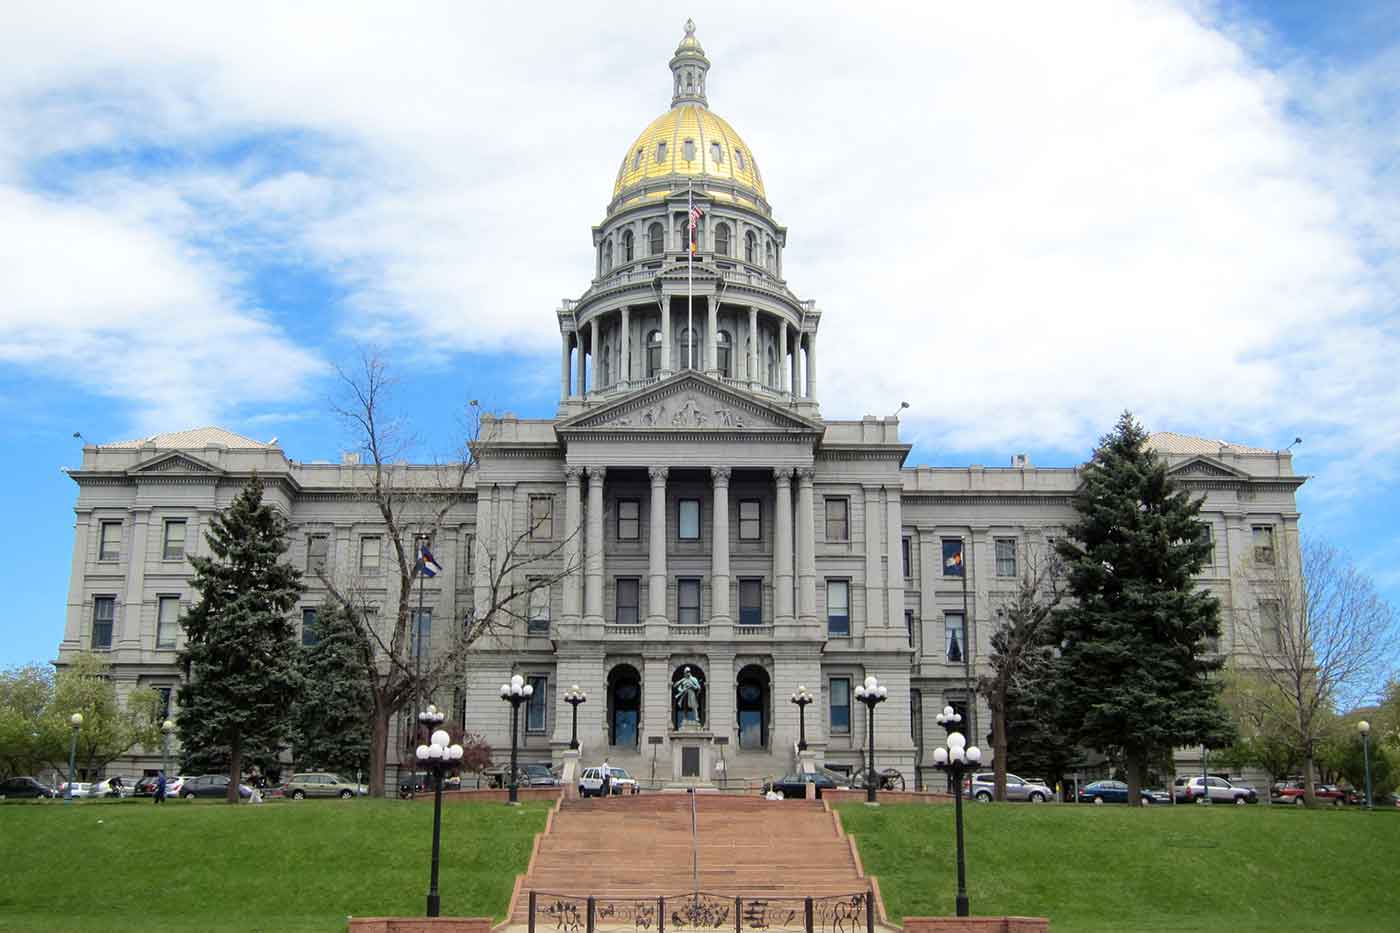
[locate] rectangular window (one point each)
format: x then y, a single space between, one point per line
174 541
629 519
370 546
716 153
689 523
422 622
751 601
906 556
629 593
838 607
688 148
1270 626
167 621
317 548
538 622
952 557
166 694
309 635
954 637
1264 545
469 553
109 544
838 519
1205 535
538 704
909 625
541 517
688 601
839 689
1006 557
661 151
750 520
104 613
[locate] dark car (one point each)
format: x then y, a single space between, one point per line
211 785
795 785
415 782
145 786
1294 791
25 787
1117 792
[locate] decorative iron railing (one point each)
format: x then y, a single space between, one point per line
702 912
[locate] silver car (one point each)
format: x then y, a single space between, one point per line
982 786
1188 790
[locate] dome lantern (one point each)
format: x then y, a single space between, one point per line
688 68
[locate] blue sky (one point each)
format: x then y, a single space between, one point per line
1021 220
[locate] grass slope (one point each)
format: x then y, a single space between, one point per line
1158 868
286 866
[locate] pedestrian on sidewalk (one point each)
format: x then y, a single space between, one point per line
160 788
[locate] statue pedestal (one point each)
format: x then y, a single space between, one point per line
569 774
806 761
692 755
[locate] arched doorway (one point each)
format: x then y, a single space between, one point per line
752 699
624 706
688 696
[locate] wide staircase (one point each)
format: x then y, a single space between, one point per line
655 845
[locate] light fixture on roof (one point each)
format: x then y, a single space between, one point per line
902 406
1296 441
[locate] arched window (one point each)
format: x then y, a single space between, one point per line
627 246
624 706
768 259
717 153
751 701
722 239
607 255
653 353
661 151
739 157
656 240
772 367
688 696
724 353
687 348
637 160
750 246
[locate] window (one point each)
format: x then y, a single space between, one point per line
687 348
1204 535
173 546
739 157
839 690
369 553
768 259
724 353
629 519
772 368
750 246
1264 544
1270 626
750 520
722 239
653 354
952 557
167 620
109 545
537 623
468 550
1006 557
538 704
309 635
541 517
688 150
689 519
751 601
909 625
661 151
627 246
628 601
838 607
906 556
317 548
656 240
716 153
166 694
751 706
104 612
838 519
688 601
954 637
637 160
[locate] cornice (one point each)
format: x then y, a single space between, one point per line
997 497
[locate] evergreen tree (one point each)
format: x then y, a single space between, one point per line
240 655
1134 677
331 717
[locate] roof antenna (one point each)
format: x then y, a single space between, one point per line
1296 440
902 406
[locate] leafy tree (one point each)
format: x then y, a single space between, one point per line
330 719
240 656
1133 673
26 745
1265 740
1345 756
109 730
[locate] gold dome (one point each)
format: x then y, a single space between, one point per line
703 128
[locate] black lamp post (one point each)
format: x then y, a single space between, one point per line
574 696
1364 728
76 721
802 698
436 757
872 694
516 693
957 758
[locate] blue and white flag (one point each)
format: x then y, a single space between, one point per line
426 565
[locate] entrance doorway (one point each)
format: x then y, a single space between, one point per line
624 706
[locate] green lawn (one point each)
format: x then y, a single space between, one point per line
1117 869
282 866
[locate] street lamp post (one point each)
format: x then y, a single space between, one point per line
436 757
515 693
166 728
1364 728
574 696
76 721
802 698
872 694
957 758
951 721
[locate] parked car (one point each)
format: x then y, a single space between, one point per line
322 784
174 785
26 787
795 785
590 783
1193 790
115 786
1292 791
414 783
1117 792
80 789
210 785
981 786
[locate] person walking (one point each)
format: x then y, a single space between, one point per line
607 779
160 788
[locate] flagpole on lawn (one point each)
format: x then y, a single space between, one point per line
417 647
690 273
967 654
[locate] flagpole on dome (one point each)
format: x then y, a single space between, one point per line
690 274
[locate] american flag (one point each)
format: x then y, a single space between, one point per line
695 214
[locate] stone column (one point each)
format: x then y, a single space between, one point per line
782 546
77 605
485 546
874 547
656 563
753 347
712 342
665 335
806 548
564 366
594 384
796 383
782 385
126 627
895 548
719 571
593 582
580 377
624 363
812 366
573 537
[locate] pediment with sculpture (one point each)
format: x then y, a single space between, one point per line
689 402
